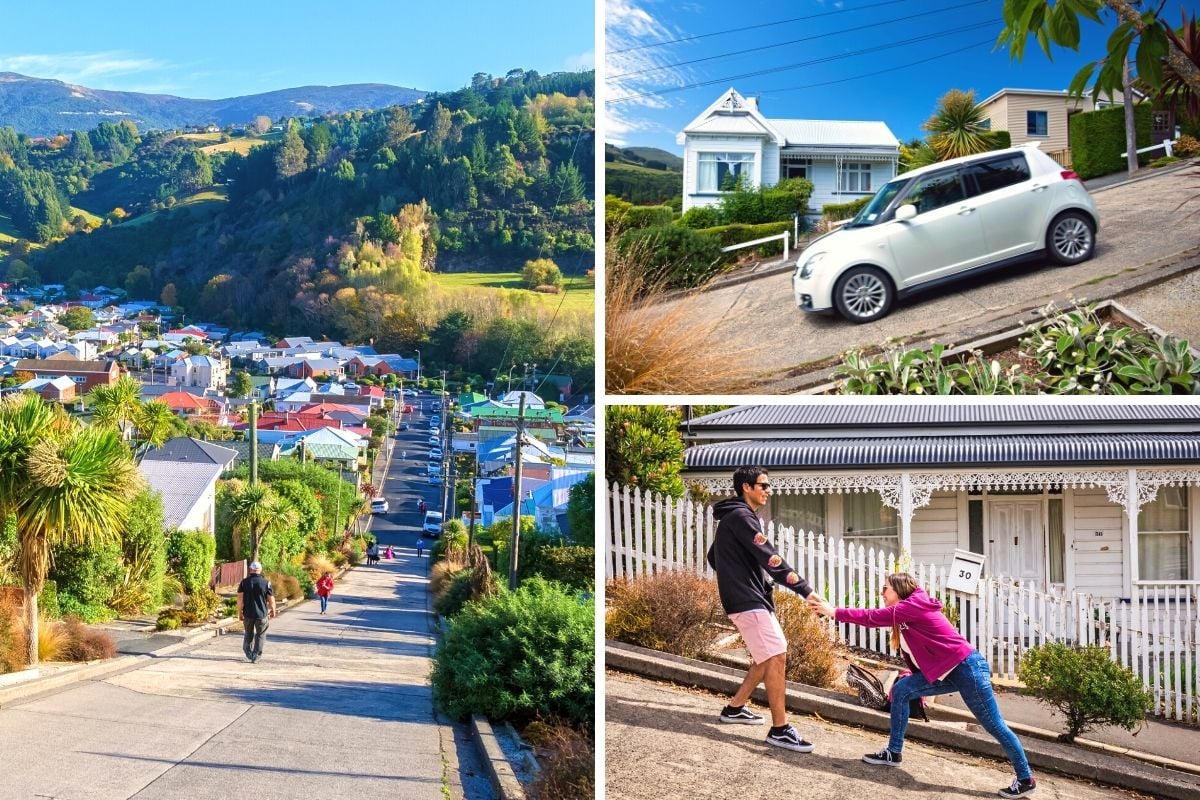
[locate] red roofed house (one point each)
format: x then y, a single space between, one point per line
189 405
87 375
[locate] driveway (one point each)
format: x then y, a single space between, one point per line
1141 237
665 741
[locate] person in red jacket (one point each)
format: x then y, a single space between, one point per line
324 589
941 660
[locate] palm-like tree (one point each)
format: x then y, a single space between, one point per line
956 127
258 510
116 404
63 483
155 422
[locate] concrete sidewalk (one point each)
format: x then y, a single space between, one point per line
1151 774
339 705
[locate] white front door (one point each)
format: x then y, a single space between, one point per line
1016 540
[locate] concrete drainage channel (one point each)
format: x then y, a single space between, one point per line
502 771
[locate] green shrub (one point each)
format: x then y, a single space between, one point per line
698 217
1098 139
518 655
48 600
69 606
573 566
87 573
202 603
627 217
541 272
737 233
456 593
759 205
168 620
839 211
1085 686
1186 147
1164 161
997 140
677 257
190 556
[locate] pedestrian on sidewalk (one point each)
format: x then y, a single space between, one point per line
941 660
387 552
372 554
743 558
420 547
256 605
324 589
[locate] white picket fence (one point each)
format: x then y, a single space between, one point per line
1155 632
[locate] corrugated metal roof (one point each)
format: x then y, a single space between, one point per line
880 413
955 451
834 132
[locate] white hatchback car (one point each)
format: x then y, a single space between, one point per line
936 223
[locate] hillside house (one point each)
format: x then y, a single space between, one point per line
86 375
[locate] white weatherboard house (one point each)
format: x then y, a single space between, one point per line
845 160
1086 518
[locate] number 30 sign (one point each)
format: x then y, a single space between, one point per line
964 571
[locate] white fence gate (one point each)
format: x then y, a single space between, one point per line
1155 632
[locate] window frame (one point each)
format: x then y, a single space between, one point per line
1031 126
859 169
726 157
1186 534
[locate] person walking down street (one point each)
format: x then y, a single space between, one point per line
941 660
373 553
387 552
256 605
746 563
324 589
420 547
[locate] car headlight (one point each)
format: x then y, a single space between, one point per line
806 267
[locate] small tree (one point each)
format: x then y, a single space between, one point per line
541 272
645 448
1085 686
77 318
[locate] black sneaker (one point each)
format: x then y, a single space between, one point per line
1019 788
787 737
885 757
740 715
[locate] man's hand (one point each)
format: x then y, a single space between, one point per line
820 606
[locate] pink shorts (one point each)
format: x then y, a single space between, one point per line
761 632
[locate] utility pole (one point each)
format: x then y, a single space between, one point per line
446 442
474 483
254 442
1131 156
516 533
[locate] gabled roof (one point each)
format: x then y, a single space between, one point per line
191 450
181 484
57 364
732 113
183 401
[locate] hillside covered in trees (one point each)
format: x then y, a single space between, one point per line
335 226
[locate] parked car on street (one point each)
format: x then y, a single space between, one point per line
435 454
379 505
433 523
938 223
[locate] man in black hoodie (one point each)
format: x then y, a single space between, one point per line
743 559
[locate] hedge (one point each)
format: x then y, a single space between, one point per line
737 233
678 257
190 556
622 216
1098 139
838 211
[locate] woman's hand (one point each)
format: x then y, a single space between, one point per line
820 606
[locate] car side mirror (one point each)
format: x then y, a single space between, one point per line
906 212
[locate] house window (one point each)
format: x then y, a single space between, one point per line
803 512
986 124
1037 123
856 177
796 168
1057 539
1163 536
1161 122
719 171
869 523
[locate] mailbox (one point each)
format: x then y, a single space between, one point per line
964 571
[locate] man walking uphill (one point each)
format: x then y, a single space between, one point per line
743 559
256 604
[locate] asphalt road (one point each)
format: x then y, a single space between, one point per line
1139 225
663 741
406 481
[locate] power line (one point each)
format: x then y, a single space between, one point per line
879 72
786 67
854 29
752 27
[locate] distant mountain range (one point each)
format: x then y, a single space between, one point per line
43 107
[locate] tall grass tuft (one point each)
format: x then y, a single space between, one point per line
668 611
54 642
656 346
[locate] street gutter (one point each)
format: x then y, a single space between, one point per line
1088 760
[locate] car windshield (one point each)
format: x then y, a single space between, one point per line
872 212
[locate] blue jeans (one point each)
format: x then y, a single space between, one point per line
324 598
973 681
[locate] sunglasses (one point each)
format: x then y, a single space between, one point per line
766 485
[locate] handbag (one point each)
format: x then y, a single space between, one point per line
877 694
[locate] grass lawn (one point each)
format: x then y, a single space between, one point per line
581 291
89 216
202 202
241 145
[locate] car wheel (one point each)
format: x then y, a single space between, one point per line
1071 238
863 294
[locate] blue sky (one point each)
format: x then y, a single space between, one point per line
834 40
219 48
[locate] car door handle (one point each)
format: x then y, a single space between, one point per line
962 212
1039 187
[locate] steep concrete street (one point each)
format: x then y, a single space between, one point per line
665 741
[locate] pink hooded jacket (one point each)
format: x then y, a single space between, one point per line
936 646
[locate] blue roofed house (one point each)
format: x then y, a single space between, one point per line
844 159
185 471
547 500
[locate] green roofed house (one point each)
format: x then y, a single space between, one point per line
545 424
471 399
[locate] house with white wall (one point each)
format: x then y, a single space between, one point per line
845 160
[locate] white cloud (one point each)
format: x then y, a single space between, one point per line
632 69
95 70
581 62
